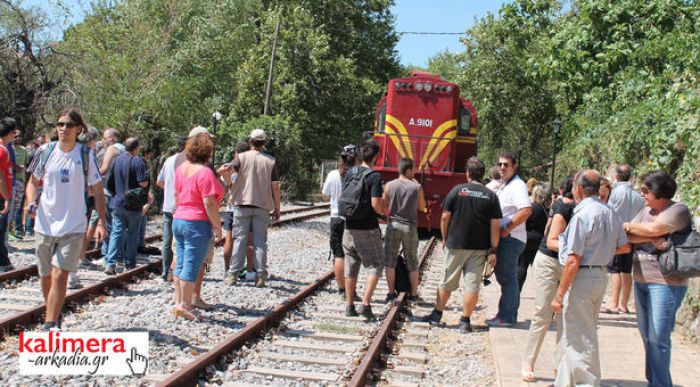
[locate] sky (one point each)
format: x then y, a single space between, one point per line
411 16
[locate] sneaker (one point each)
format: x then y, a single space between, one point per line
129 267
51 326
110 270
14 237
465 325
120 266
414 299
74 282
231 278
367 313
350 311
498 323
433 318
260 282
6 268
390 297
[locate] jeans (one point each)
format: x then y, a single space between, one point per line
246 220
4 223
142 231
167 242
123 238
18 212
108 226
509 249
656 316
192 240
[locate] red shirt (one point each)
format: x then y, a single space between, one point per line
6 169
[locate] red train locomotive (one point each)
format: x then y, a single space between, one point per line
422 117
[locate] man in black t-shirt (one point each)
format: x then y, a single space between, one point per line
362 240
471 215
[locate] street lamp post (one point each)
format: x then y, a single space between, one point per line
215 118
556 126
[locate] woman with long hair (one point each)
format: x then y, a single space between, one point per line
196 217
331 191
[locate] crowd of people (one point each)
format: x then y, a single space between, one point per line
71 190
575 239
71 172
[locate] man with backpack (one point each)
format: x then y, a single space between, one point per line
66 168
360 203
130 177
404 198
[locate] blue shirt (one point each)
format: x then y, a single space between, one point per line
11 151
593 233
137 174
625 200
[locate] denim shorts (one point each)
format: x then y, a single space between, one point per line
192 240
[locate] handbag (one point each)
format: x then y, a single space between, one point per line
134 198
682 258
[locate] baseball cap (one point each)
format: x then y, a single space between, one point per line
197 130
257 134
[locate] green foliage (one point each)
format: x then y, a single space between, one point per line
622 75
155 68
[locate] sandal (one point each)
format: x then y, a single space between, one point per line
610 311
528 376
189 315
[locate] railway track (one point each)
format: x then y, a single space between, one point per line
21 291
30 271
315 343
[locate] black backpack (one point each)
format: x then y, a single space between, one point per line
354 202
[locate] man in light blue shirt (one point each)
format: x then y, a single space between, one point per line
627 203
593 236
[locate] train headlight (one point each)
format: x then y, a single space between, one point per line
428 87
449 89
398 85
419 86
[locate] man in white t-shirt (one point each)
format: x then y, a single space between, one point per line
166 181
516 208
61 215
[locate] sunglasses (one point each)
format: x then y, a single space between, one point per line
503 165
66 124
644 190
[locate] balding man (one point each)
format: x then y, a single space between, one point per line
593 236
130 172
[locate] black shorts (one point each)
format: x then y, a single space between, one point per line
337 229
621 264
228 220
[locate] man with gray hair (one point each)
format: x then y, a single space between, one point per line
255 194
627 203
594 234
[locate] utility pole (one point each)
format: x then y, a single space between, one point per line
268 91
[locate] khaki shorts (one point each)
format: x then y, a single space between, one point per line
363 246
401 235
468 263
61 252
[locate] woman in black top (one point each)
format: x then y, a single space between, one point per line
546 274
534 225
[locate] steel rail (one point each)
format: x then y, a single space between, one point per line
189 375
32 271
31 316
376 347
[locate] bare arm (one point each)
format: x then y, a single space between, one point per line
445 222
624 249
519 218
422 205
107 161
277 197
567 277
3 187
378 205
31 190
558 226
649 230
495 235
385 197
212 208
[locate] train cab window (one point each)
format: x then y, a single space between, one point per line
381 118
465 120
